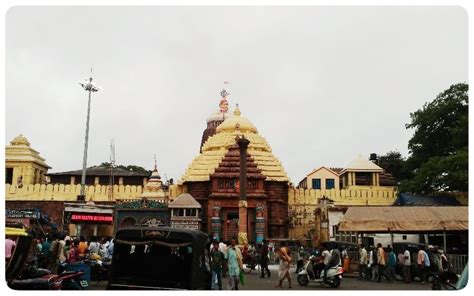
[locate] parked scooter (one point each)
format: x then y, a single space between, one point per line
308 275
33 278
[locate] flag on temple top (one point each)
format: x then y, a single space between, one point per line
226 82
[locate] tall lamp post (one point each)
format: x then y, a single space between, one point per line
90 87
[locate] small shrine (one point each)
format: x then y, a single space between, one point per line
185 212
153 189
150 210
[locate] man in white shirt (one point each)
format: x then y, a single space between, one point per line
94 247
362 259
109 251
406 266
326 255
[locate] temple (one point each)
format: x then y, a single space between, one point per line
213 180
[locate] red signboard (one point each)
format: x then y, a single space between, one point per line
90 218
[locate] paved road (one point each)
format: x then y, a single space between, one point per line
254 282
349 282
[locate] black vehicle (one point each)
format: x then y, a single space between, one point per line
24 244
412 247
161 258
22 274
340 245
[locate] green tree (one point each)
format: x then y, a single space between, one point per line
394 163
439 147
132 168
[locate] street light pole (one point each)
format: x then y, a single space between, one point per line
88 86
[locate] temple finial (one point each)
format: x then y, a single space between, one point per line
156 166
223 104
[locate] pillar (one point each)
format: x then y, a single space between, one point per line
259 223
243 144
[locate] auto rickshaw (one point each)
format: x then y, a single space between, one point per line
24 243
160 258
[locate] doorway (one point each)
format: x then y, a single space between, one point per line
232 225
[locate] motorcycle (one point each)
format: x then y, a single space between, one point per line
308 275
33 278
251 262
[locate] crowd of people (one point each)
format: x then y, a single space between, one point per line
228 259
378 262
54 251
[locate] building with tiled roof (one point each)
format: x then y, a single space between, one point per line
100 175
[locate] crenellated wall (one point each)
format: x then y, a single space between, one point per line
355 197
302 204
61 192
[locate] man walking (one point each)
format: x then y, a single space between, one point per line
406 265
380 261
284 268
362 261
392 262
423 264
217 262
234 263
264 259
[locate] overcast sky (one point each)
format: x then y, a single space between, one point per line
321 84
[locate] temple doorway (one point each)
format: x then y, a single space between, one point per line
232 225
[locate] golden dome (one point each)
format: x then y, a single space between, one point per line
20 140
237 122
215 148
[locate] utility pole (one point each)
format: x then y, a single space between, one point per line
90 87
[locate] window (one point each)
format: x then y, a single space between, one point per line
191 212
316 183
8 175
329 183
363 179
225 184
